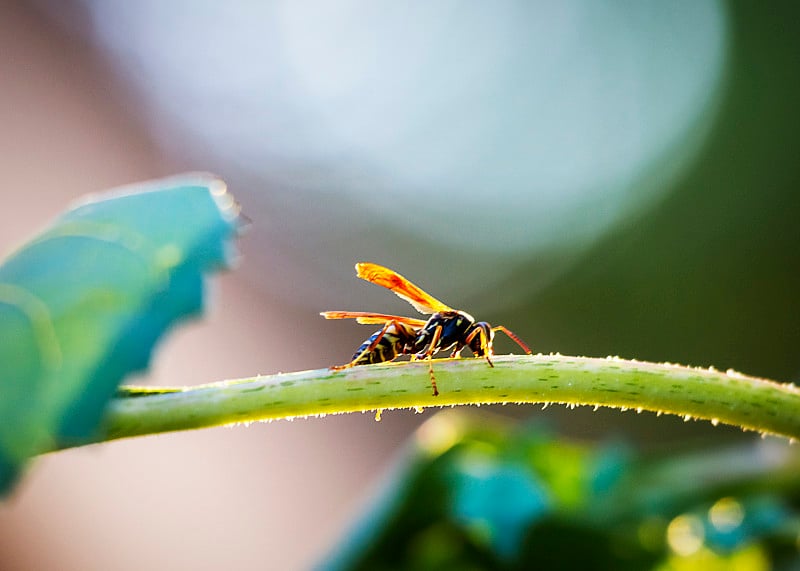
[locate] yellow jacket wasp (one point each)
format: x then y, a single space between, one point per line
446 327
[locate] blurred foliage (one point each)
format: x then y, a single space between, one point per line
479 494
711 275
82 304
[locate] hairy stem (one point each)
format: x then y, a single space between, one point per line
727 397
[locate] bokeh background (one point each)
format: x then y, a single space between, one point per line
605 178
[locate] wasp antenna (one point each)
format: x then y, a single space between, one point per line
513 337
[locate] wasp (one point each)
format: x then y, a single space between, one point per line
445 329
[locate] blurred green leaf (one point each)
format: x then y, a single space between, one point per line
484 495
82 304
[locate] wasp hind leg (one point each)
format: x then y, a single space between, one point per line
437 334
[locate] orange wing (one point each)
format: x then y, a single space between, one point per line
422 301
373 318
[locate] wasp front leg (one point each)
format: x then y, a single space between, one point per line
459 346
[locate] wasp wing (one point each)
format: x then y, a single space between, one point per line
368 318
421 300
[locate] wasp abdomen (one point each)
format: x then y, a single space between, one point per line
384 345
383 351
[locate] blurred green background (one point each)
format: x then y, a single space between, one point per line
604 178
710 274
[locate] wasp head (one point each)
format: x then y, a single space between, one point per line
480 337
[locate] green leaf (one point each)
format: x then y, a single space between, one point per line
479 492
82 304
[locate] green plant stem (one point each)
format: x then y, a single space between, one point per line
727 397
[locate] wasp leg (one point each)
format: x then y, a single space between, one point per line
487 349
369 349
437 334
514 338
